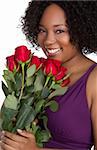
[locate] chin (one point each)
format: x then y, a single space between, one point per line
56 58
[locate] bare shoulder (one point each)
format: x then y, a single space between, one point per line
92 84
92 99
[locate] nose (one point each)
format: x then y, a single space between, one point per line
50 39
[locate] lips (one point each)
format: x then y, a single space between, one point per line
52 52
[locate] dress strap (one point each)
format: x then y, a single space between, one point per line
89 72
90 69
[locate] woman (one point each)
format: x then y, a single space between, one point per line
65 30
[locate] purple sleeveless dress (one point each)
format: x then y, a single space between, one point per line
71 125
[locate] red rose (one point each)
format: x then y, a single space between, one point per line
42 60
57 62
49 67
22 54
11 63
35 60
61 73
65 82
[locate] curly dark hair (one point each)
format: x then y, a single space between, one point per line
81 21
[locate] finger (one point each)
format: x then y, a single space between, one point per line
26 134
14 137
10 142
2 135
6 147
0 144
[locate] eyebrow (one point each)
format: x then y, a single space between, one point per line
55 25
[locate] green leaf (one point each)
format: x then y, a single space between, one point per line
39 144
29 89
34 128
7 116
29 81
26 96
18 93
25 117
57 92
8 75
28 128
11 102
9 84
5 89
45 92
56 86
41 73
45 120
42 136
39 82
53 105
1 121
7 113
29 101
12 85
45 136
18 79
39 105
31 70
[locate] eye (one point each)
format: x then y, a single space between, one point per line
59 31
40 30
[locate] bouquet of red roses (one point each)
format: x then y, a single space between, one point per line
30 86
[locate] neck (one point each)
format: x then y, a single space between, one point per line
75 63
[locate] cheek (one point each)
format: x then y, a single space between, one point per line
65 40
40 40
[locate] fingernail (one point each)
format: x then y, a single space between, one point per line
3 132
19 130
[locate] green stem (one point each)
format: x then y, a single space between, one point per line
53 82
47 80
21 93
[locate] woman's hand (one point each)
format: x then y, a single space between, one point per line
23 141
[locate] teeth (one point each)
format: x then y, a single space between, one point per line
53 50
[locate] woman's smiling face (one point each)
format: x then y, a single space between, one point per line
53 36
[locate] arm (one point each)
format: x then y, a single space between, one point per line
94 105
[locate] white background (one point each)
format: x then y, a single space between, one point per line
11 35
